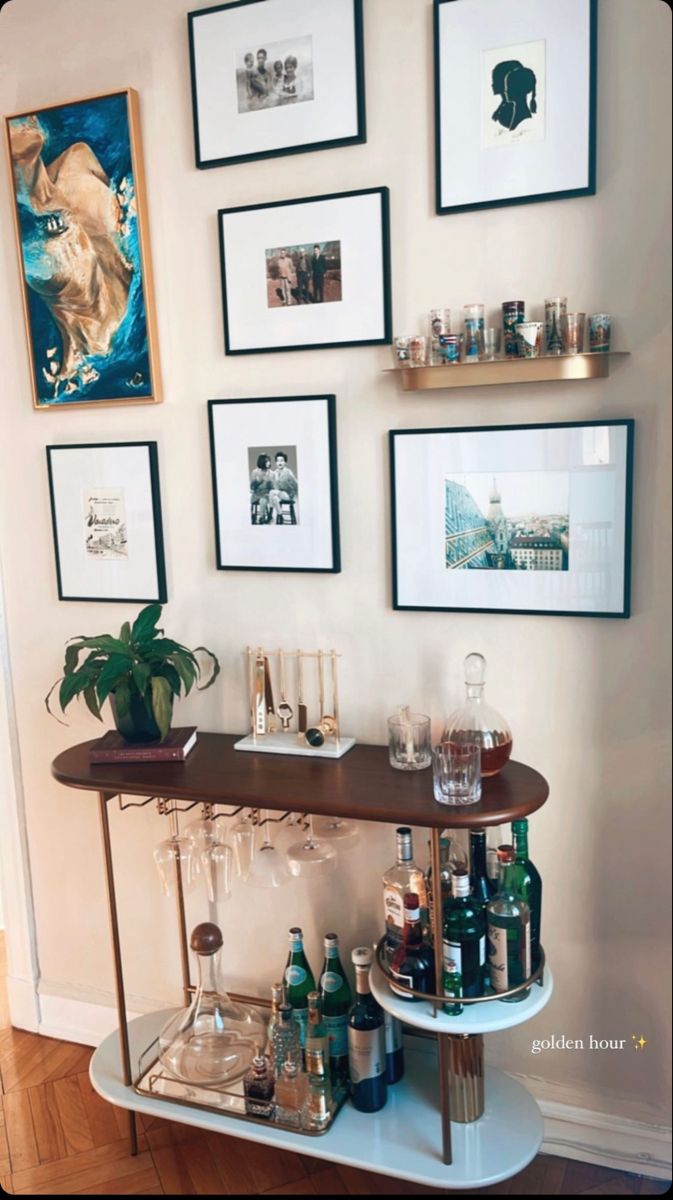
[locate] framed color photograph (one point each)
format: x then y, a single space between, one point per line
81 226
515 102
275 490
106 517
306 274
513 518
276 77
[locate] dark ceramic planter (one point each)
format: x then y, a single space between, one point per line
137 725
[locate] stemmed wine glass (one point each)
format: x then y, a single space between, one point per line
267 869
311 857
337 829
242 834
173 854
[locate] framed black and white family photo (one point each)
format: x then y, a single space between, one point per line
274 77
515 101
307 274
275 487
106 519
513 518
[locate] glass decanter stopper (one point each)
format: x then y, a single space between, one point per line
477 722
214 1041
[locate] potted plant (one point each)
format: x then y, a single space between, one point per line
140 672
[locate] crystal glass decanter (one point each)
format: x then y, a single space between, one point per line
477 722
214 1041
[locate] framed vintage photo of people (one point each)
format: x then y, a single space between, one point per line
515 102
106 518
84 254
513 519
274 77
306 274
275 489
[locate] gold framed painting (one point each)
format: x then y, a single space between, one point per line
82 236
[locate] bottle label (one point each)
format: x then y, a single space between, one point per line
453 958
300 1015
497 958
337 1029
393 1032
393 907
294 976
331 982
366 1054
405 979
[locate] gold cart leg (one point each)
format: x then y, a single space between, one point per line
119 977
466 1076
443 1039
182 920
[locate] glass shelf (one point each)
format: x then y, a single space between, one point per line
507 370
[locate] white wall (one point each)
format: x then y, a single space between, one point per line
587 699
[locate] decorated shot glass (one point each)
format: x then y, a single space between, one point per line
401 350
529 334
599 332
418 350
554 312
573 333
474 332
513 313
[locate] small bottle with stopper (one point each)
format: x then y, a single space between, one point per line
258 1088
291 1088
476 722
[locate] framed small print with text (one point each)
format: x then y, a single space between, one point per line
513 519
515 101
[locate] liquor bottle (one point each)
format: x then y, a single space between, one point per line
394 1048
452 986
277 998
291 1089
477 722
405 876
336 1002
258 1088
286 1043
299 980
529 884
366 1040
464 948
317 1037
481 886
413 962
451 854
318 1102
508 917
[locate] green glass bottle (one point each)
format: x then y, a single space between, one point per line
299 981
508 917
529 884
481 886
336 1002
464 948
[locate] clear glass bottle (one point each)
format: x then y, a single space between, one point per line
291 1088
413 962
464 948
477 722
299 980
336 1002
214 1041
508 917
451 856
258 1088
529 884
317 1036
405 876
277 998
286 1043
366 1040
318 1104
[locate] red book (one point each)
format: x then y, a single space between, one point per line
112 748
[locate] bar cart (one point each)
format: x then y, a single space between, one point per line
409 1138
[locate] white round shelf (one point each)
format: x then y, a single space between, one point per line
475 1018
403 1139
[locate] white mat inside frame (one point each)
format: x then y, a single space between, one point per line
288 743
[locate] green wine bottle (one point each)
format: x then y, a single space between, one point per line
299 980
508 917
529 884
336 1002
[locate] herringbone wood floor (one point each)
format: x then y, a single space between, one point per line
57 1137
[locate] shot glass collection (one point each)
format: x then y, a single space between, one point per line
561 332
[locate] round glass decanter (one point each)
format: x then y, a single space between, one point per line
214 1041
477 722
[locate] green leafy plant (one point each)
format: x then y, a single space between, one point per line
139 663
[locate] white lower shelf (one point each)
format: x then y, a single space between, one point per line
403 1140
489 1017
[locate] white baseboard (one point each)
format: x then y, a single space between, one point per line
86 1018
24 1004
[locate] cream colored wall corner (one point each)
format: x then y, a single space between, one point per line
587 699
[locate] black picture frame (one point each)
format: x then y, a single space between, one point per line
161 593
333 485
386 314
627 423
360 135
534 197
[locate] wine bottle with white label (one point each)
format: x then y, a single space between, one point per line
366 1040
464 939
508 917
299 981
404 876
336 1002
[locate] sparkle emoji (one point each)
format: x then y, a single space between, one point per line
638 1043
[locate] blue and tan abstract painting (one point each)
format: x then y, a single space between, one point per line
81 252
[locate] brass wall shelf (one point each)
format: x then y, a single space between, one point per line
546 368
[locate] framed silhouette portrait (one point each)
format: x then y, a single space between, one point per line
515 102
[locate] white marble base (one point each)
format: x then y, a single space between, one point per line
289 743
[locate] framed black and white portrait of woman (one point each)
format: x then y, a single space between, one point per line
515 102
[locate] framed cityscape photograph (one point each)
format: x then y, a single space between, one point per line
306 274
106 519
275 488
513 518
274 77
515 102
81 226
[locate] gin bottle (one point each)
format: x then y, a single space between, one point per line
286 1040
366 1040
336 1002
464 948
529 884
299 980
277 998
405 876
508 917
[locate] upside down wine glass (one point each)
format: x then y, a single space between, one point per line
267 869
311 857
